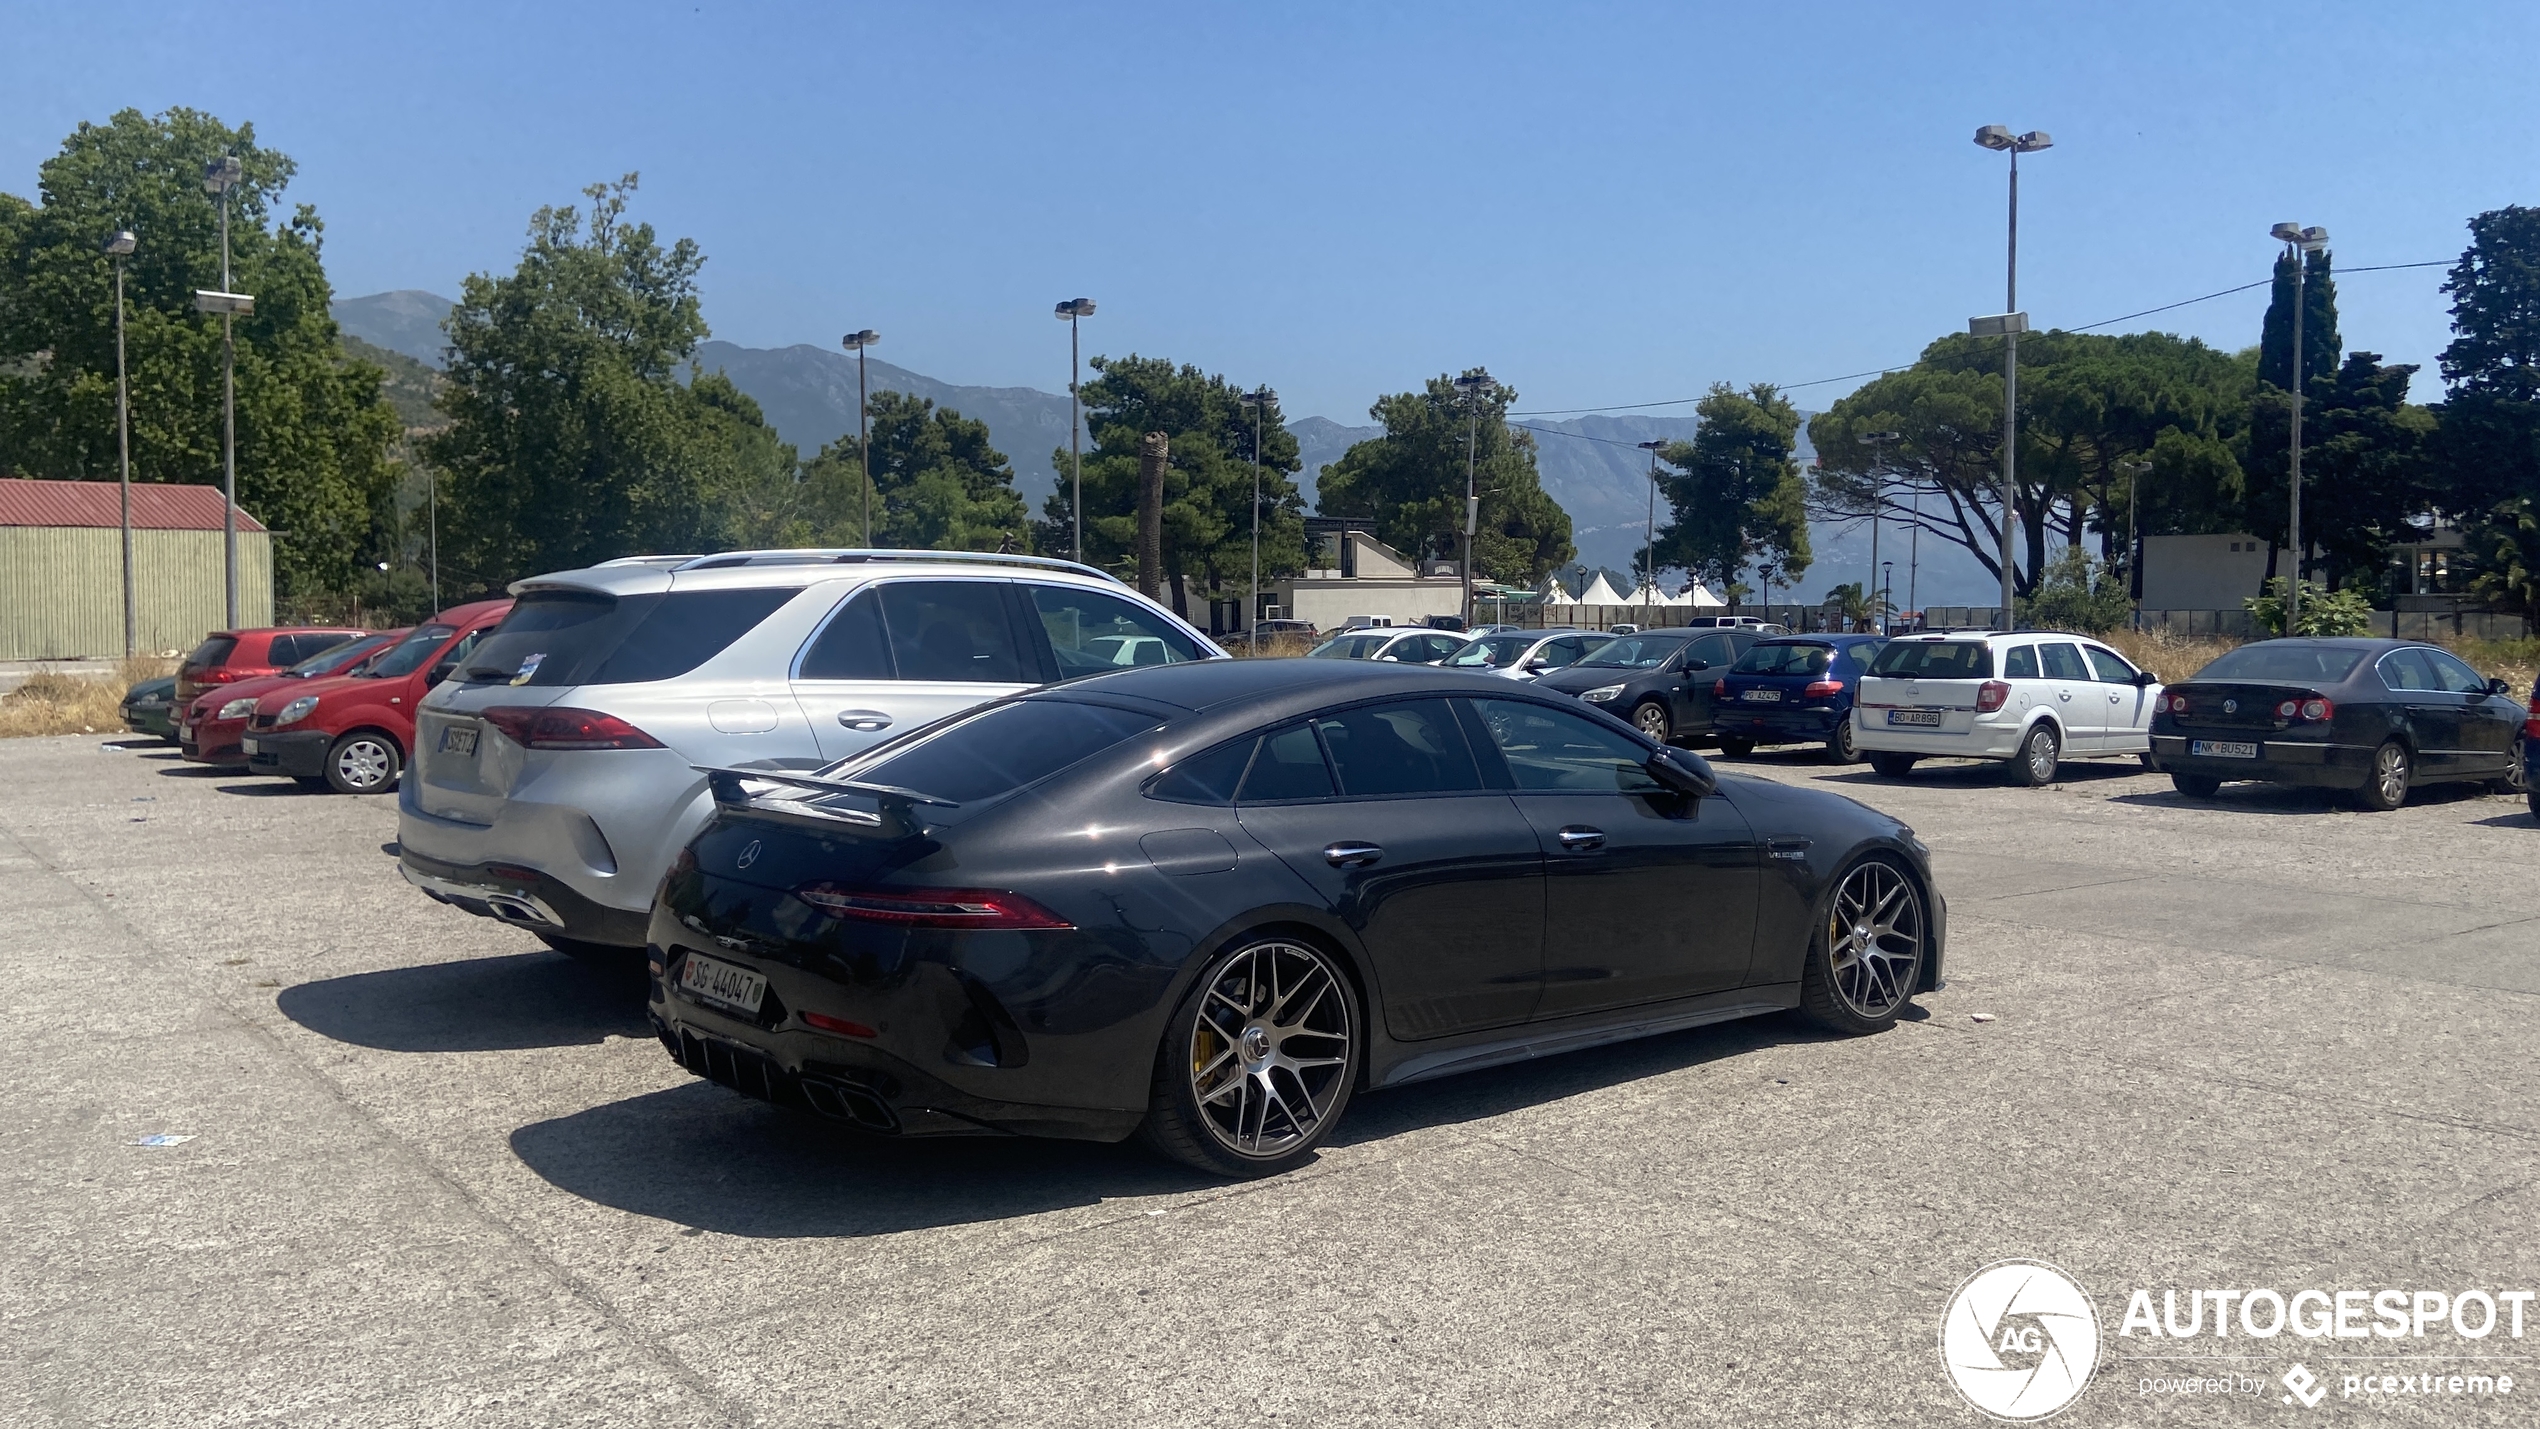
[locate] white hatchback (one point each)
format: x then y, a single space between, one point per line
2030 700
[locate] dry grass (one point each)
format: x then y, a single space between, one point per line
2513 661
53 702
1271 647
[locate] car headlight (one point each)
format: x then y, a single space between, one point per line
1602 693
238 709
296 711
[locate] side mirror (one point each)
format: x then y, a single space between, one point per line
439 672
1537 664
1683 772
2499 687
1693 665
2143 678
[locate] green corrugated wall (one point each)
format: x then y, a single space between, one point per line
61 589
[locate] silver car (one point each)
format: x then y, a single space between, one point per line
1523 654
1410 644
555 774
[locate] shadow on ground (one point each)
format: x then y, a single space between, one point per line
539 999
702 1156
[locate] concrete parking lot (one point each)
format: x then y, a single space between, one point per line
438 1175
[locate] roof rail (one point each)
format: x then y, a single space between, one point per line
667 563
849 557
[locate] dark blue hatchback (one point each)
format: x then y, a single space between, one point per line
1793 689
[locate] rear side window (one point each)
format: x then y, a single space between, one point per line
587 638
1208 777
1005 748
2063 662
1935 660
1408 747
2020 663
853 645
214 652
1092 633
1288 766
953 630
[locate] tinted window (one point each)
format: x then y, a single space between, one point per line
2293 661
2063 662
212 652
1633 652
2451 674
2020 663
334 656
587 638
1548 749
2109 667
1208 777
2402 670
1091 632
1289 766
1491 652
411 652
1348 647
1564 651
1786 660
1935 660
853 645
952 630
1005 748
1410 747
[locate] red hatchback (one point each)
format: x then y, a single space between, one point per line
227 656
352 733
209 729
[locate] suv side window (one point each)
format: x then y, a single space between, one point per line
2020 663
2112 670
1091 632
2063 662
853 645
954 631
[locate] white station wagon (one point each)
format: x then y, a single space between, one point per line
2031 700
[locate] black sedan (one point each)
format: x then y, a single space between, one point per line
1659 680
1204 904
2374 716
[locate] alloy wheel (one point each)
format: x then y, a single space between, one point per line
1874 939
1651 719
1269 1049
363 763
2516 780
2390 775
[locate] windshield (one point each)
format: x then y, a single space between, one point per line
410 652
1785 660
1935 660
1491 652
1633 652
2294 662
337 657
1350 647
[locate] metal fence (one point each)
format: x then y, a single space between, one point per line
2231 624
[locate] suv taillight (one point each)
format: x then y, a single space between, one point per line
566 728
1822 690
1991 696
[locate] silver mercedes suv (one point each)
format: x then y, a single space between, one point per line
555 774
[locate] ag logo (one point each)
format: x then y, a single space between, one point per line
2019 1340
748 856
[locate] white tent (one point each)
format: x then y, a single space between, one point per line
1553 594
1599 593
1700 597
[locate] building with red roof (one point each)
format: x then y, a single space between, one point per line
61 568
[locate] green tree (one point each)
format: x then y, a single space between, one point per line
2487 473
1208 490
2324 612
1411 481
2366 468
314 438
937 484
2078 593
571 438
1736 495
2320 342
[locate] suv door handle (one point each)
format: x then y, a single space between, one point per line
1351 855
1579 838
865 720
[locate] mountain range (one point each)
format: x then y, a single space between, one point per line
1591 464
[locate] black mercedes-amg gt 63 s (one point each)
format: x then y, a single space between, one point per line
1204 904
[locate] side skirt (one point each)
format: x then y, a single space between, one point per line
1577 1034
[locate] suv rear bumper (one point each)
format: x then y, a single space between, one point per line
524 897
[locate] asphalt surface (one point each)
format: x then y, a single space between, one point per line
438 1175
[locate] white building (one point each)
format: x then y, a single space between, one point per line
1355 578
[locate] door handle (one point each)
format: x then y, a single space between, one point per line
1579 838
1351 855
865 720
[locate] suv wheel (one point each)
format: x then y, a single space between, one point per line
363 762
2034 766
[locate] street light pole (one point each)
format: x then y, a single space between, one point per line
1475 385
1995 136
1878 443
1070 312
2301 243
857 342
1649 550
2133 539
1259 400
219 177
119 246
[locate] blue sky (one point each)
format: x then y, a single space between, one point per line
1605 204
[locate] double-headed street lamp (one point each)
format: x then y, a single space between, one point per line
2008 327
119 246
1070 312
1878 443
1261 399
2301 243
1475 385
857 342
219 177
1649 550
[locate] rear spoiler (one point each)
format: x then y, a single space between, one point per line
897 814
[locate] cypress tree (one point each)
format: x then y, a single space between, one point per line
2321 346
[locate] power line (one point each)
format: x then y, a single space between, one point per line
1881 371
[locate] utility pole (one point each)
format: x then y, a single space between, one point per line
1259 400
1475 385
1649 548
857 342
1878 443
2008 327
119 246
219 177
1070 312
2301 243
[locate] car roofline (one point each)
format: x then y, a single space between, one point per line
848 556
